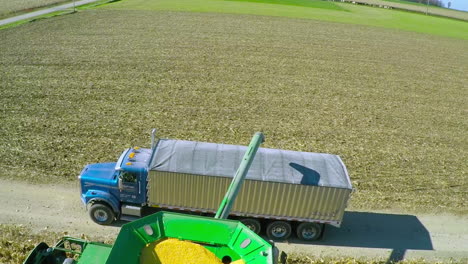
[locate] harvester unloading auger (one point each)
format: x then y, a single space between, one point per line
229 240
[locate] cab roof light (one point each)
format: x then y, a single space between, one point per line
132 155
128 163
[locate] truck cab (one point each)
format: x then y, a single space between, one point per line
108 189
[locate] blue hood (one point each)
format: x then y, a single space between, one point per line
103 171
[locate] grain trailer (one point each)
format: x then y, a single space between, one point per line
284 192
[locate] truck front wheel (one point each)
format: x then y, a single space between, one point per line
101 214
309 231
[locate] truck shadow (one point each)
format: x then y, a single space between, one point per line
377 230
119 223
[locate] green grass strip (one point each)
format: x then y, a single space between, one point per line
301 3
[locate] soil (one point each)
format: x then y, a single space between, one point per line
385 234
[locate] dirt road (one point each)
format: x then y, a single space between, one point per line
387 235
44 12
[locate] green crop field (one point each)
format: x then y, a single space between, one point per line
315 9
10 7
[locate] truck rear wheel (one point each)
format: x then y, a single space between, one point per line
252 224
309 231
278 230
101 214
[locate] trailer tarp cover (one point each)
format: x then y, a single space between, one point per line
275 165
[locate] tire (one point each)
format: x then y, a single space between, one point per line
309 231
252 224
278 230
101 214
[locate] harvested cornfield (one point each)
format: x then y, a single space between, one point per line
79 89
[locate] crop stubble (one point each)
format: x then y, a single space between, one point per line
79 89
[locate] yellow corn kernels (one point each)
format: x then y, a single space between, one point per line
239 261
174 251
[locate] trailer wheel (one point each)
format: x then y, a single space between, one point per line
252 224
278 230
309 231
101 214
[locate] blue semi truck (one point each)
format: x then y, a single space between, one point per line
284 192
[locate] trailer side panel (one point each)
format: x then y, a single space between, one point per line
261 199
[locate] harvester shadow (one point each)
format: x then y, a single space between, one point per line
377 230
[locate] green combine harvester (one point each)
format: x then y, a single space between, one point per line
229 240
